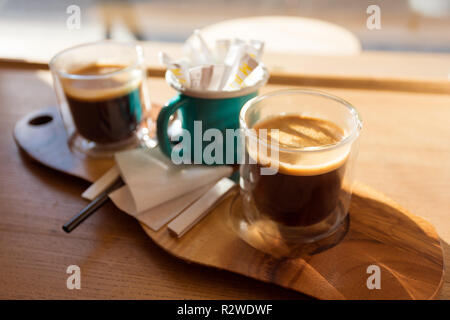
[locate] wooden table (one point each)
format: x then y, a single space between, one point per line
405 153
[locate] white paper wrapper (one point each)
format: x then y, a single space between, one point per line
242 70
223 67
255 50
197 51
221 49
200 77
178 68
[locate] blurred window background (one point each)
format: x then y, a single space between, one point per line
29 27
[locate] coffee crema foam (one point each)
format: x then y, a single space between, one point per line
296 132
101 89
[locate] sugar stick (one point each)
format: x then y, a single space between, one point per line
199 209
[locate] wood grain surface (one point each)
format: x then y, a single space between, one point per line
410 72
404 153
405 247
43 136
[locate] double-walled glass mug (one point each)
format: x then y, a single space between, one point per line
102 94
300 149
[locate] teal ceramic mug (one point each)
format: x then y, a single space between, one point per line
199 111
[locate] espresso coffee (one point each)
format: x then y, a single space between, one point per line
104 110
301 193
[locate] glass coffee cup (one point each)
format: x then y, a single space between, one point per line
300 149
102 94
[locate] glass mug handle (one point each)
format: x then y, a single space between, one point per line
162 123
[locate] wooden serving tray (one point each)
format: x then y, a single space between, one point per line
405 247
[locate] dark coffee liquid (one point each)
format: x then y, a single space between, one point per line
104 116
299 195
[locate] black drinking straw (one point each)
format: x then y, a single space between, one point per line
101 199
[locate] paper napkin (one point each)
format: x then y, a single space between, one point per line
156 191
152 178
